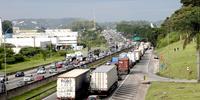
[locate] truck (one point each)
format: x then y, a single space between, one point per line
114 59
73 85
123 66
104 80
132 57
137 55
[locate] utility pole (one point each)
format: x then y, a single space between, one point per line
94 19
1 33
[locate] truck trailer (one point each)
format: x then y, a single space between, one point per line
123 66
73 85
104 80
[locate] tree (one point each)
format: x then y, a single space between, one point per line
41 29
44 54
7 26
190 2
187 21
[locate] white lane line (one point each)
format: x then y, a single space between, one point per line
149 62
120 86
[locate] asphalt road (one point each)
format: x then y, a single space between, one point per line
128 87
13 81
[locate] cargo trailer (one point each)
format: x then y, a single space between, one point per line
104 80
115 60
132 57
73 85
137 55
123 66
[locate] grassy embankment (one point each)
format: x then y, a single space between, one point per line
38 93
30 63
176 67
176 62
173 91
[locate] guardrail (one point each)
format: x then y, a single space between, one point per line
22 89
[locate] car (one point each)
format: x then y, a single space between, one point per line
3 78
53 69
28 78
41 71
93 97
21 83
19 74
39 77
59 64
41 67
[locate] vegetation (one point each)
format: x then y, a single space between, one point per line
92 38
7 26
184 23
28 58
174 61
173 91
139 28
41 91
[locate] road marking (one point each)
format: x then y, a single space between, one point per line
149 62
120 86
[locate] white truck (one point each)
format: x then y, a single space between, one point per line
131 55
104 79
137 55
73 85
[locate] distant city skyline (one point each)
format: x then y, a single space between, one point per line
104 10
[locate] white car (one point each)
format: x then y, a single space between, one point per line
28 78
41 71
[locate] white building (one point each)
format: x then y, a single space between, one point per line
61 38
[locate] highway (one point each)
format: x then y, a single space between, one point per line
13 81
130 87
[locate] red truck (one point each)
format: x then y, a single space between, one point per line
123 66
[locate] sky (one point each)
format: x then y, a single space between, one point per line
104 10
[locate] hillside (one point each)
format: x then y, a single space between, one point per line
175 63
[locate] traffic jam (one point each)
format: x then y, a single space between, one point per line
102 80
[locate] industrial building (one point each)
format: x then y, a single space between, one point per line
60 38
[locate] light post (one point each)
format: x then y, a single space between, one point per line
5 65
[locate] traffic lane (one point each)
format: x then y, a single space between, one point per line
13 79
15 83
128 89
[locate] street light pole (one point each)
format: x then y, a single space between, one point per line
5 65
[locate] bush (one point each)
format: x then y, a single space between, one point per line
168 39
10 60
62 52
30 51
19 58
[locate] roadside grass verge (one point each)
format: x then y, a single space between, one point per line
30 64
173 64
38 93
173 91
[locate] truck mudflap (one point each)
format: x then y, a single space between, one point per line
105 93
65 98
123 72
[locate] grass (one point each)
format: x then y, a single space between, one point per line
173 91
36 91
31 63
175 63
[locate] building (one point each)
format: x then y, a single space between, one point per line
60 38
